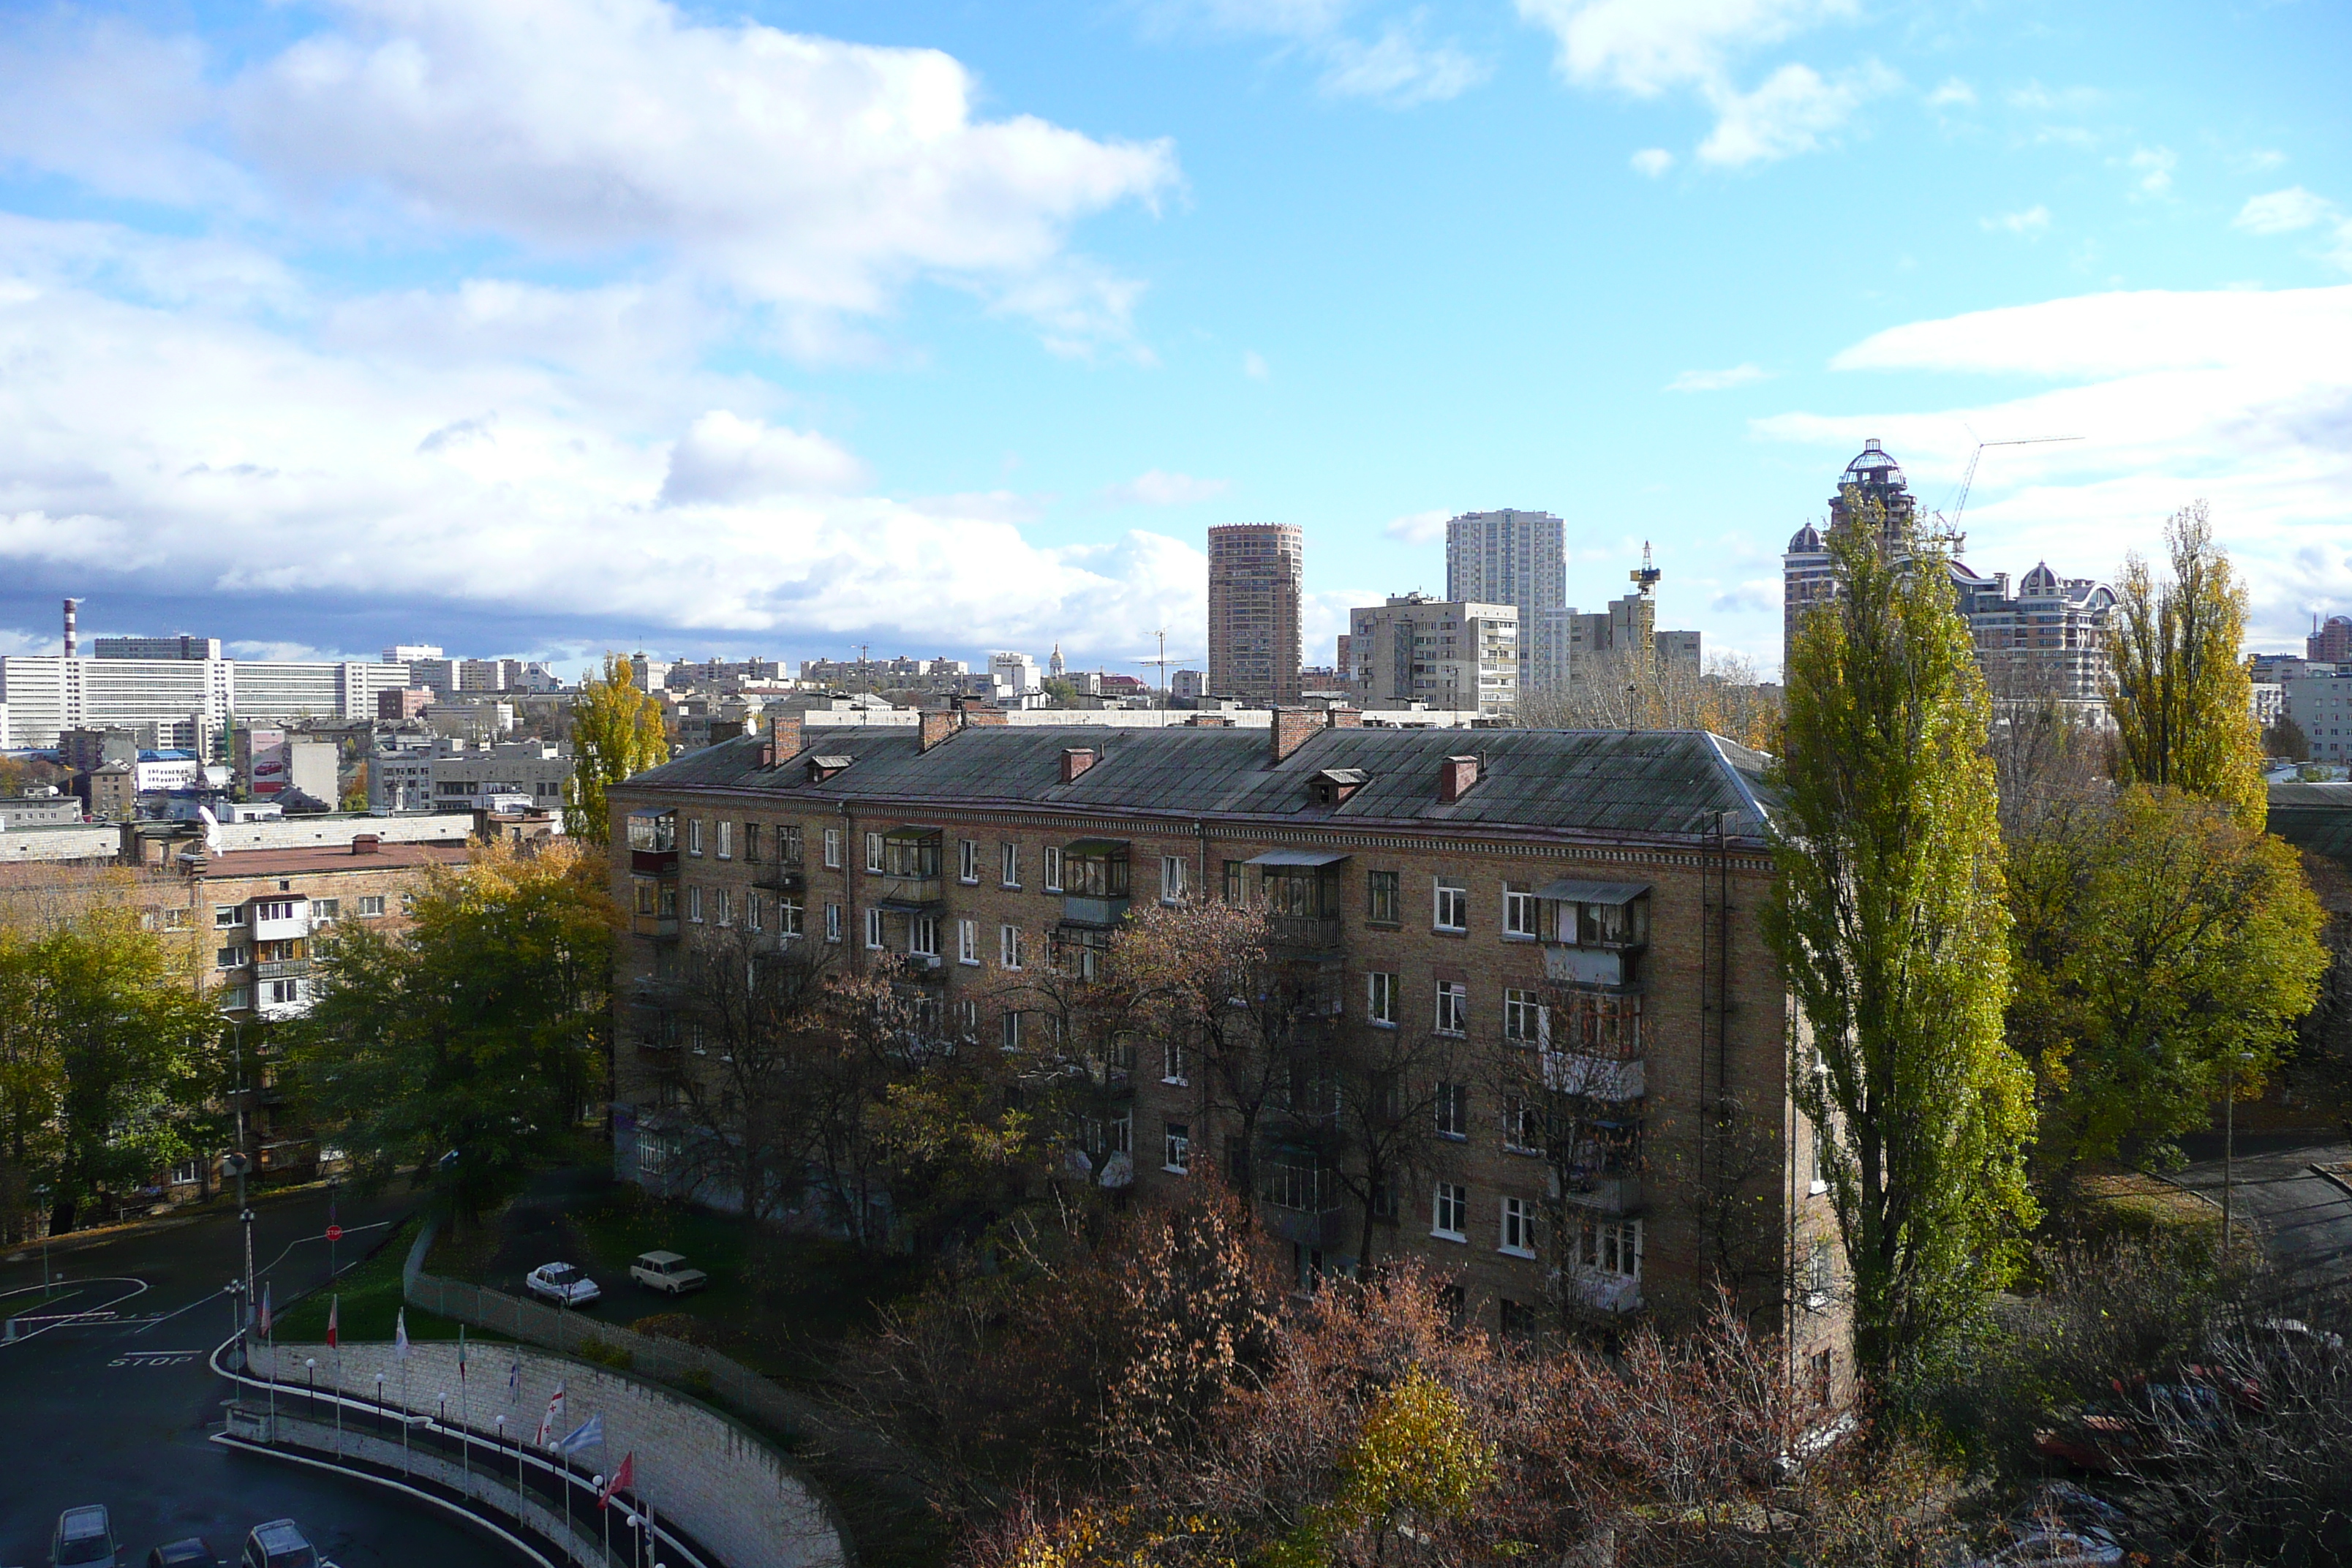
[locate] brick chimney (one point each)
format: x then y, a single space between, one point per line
1343 718
366 843
983 714
783 741
1455 779
1210 721
1289 730
938 725
1077 760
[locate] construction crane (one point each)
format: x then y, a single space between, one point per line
1645 576
1950 527
1163 659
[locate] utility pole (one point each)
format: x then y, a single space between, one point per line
242 1162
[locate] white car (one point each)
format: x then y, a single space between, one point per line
563 1284
667 1271
281 1543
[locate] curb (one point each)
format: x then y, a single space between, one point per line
492 1526
2331 1178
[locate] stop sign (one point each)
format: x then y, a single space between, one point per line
335 1232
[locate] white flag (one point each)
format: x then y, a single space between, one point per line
399 1336
553 1422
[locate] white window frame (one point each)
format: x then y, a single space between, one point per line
968 862
1526 1018
1053 854
370 906
232 958
873 854
923 935
323 912
1450 1011
1009 1029
1009 865
873 930
1380 998
833 922
1176 1148
722 907
1449 1201
1516 1112
833 848
754 916
1173 1068
228 917
694 903
726 839
694 835
1449 898
1008 947
967 941
1516 1228
1450 1111
284 993
1172 878
1609 1248
1520 911
791 917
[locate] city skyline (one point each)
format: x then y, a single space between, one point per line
294 353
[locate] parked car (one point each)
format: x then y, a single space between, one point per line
667 1271
85 1539
192 1553
563 1284
281 1543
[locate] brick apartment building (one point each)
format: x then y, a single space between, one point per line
1578 910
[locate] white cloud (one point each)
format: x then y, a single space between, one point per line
1397 69
2033 220
2239 395
16 640
2282 212
1154 488
793 170
1795 111
2261 159
2034 98
1718 380
143 447
1652 161
726 458
1254 365
1953 93
1419 527
2153 165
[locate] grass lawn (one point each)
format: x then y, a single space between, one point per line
780 1313
370 1294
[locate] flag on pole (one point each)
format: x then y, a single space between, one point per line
589 1434
265 1307
461 1353
399 1336
514 1378
334 1321
549 1422
626 1476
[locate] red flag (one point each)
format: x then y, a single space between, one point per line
623 1476
334 1319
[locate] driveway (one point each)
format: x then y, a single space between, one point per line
2305 1219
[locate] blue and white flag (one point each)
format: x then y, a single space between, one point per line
399 1336
514 1378
589 1434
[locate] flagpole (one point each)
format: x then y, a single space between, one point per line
270 1334
465 1467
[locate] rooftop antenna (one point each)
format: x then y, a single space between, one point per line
1163 662
1947 527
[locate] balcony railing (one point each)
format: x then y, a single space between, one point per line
654 862
1325 1227
1303 933
1566 966
281 968
889 889
1083 910
1611 1192
1601 1292
786 878
1594 1076
654 925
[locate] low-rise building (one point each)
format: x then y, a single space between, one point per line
456 775
1455 654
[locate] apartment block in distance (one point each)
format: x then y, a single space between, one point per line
1516 558
1256 574
1446 654
1567 920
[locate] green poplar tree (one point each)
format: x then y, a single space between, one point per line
617 731
1888 916
2182 700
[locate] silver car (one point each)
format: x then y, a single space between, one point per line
85 1539
281 1543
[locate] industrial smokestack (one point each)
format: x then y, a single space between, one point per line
71 606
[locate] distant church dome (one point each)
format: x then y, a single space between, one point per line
2040 580
1806 541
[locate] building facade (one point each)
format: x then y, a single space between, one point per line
1257 576
156 647
1449 655
1564 925
188 703
452 775
1516 558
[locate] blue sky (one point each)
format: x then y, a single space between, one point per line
543 328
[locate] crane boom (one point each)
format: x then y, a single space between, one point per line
1969 476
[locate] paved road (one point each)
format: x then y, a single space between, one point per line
117 1412
2306 1218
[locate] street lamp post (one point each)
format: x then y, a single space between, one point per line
41 1198
310 1366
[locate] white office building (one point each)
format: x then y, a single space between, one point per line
1453 654
190 702
1516 558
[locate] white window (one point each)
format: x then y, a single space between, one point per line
725 905
694 904
274 910
1610 1246
923 935
1449 1212
1518 912
1821 1182
1008 946
1450 908
186 1173
285 991
1011 867
874 852
967 861
1525 1017
967 941
754 913
229 957
1452 1110
228 916
652 1155
1453 1006
324 911
1518 1230
1171 878
694 835
833 922
790 920
967 1014
1171 1063
1012 1029
1381 997
833 848
236 998
874 928
726 840
1821 1274
1052 868
1178 1148
371 905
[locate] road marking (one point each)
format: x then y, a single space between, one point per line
152 1358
